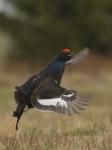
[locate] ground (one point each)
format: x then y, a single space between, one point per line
91 130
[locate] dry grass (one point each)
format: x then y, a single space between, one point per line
92 130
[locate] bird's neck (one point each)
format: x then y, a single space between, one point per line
60 59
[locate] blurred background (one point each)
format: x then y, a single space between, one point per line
32 32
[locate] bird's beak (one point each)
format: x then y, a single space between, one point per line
71 55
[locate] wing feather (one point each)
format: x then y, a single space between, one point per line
50 96
79 57
65 103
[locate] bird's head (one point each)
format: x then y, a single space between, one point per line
66 54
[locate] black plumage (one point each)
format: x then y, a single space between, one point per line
44 92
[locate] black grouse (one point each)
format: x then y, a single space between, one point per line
43 91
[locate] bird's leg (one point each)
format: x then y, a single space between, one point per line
18 113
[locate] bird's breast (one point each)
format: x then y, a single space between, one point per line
57 72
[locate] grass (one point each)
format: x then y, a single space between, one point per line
91 130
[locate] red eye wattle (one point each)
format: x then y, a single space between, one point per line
66 50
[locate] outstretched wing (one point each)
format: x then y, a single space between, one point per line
79 57
57 99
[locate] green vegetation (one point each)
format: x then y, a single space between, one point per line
42 28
